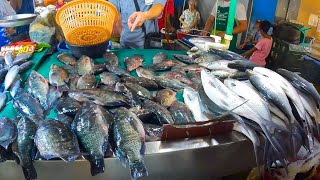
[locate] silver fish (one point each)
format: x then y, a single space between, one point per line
25 66
10 77
15 86
8 58
3 98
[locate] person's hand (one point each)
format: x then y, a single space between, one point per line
204 33
221 34
136 20
241 46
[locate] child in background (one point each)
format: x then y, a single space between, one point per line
252 40
261 51
190 18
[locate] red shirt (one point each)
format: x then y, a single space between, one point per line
169 8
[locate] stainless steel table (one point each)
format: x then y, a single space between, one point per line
198 158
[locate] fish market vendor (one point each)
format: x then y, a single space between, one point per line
137 22
221 12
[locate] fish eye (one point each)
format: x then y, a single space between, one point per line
233 84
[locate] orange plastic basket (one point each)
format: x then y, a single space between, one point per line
87 22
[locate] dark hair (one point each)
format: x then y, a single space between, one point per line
265 26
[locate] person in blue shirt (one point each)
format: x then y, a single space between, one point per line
23 7
132 35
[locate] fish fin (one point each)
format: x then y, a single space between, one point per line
122 158
29 171
230 111
97 166
138 170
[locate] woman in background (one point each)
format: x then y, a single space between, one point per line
261 51
23 7
190 18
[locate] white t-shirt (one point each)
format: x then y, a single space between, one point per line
241 13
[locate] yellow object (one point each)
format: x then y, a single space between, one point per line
49 2
87 22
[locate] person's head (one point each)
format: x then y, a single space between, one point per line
258 24
192 5
264 28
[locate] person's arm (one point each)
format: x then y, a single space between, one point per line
208 26
249 53
138 18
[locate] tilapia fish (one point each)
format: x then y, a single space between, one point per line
67 59
100 68
178 76
26 132
118 71
146 73
87 81
181 113
58 77
10 77
92 129
133 99
153 132
163 66
85 65
111 59
39 88
99 96
3 154
73 81
65 119
53 95
109 79
169 83
166 97
129 137
159 58
144 82
139 90
133 62
184 58
55 140
66 105
195 77
27 106
161 112
8 132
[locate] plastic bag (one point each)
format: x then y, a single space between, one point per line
42 29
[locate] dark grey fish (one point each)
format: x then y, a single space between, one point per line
193 67
301 84
65 119
163 66
109 79
3 154
133 99
3 73
67 59
87 81
195 77
3 98
118 71
8 58
145 115
99 96
73 81
58 77
71 69
26 132
8 132
25 66
129 138
27 106
166 97
66 105
178 76
100 68
226 55
53 95
39 88
169 83
133 62
144 82
146 73
181 113
242 65
91 128
105 87
184 58
111 59
18 62
15 86
55 140
10 77
153 132
139 90
161 112
159 58
85 65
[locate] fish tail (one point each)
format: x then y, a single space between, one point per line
29 171
138 170
97 166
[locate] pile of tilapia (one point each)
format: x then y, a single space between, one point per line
10 69
102 108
